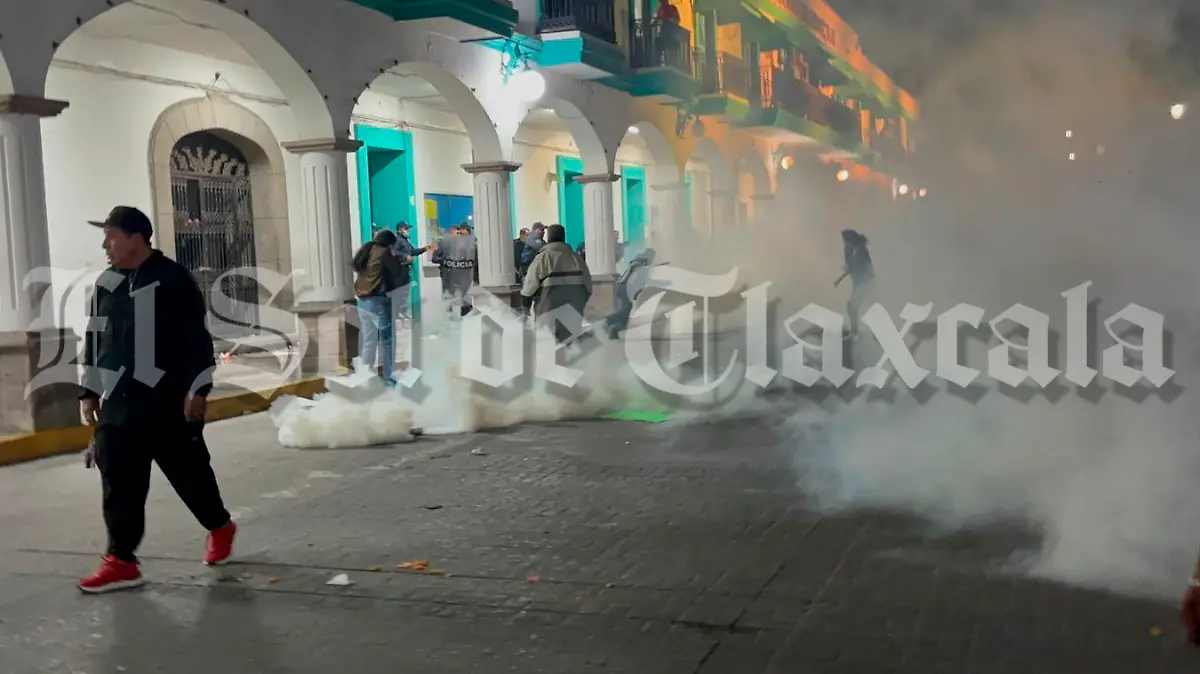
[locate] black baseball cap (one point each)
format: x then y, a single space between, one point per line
402 225
127 219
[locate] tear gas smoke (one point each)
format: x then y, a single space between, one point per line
358 411
1111 483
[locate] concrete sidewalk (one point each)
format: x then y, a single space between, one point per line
574 548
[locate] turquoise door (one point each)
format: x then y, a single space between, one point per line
388 169
570 199
385 188
633 182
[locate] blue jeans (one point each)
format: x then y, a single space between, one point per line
378 325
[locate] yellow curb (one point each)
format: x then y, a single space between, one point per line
43 444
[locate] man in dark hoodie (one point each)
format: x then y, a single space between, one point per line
533 243
861 271
406 254
518 248
148 366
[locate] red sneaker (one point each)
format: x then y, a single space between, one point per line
220 545
112 575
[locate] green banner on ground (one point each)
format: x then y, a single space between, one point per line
644 416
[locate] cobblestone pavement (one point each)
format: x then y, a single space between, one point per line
577 548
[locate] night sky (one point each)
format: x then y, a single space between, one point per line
909 39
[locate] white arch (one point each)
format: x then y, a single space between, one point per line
723 176
598 137
665 169
253 138
753 163
305 101
597 160
485 140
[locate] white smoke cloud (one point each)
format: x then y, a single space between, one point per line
1110 483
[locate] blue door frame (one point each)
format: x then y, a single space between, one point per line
570 199
633 191
393 140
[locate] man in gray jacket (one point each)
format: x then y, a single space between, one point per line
558 279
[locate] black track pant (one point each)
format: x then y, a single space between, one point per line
124 454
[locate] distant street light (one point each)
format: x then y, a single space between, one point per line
1178 111
843 176
904 189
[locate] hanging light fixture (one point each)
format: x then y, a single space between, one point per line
529 85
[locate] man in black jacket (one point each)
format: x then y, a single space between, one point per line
407 253
148 367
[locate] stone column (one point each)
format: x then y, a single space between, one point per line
670 209
724 206
32 345
321 254
493 223
599 239
598 223
762 208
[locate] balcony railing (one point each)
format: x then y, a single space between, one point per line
781 89
724 74
661 44
888 146
592 17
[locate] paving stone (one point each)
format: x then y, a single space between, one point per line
582 548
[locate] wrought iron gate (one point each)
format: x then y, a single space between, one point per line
214 225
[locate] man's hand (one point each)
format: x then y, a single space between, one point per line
89 411
194 407
408 258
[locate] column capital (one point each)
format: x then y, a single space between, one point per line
346 145
491 167
20 104
598 178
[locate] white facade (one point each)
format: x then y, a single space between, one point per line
137 77
112 90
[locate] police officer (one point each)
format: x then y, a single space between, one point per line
458 253
147 375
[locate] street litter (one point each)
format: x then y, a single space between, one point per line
340 580
413 566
